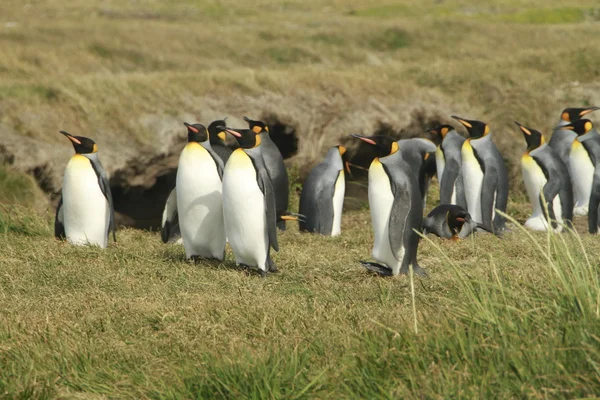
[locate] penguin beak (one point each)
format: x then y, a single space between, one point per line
190 127
364 139
588 110
71 137
230 131
465 122
523 128
460 219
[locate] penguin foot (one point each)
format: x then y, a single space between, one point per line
377 268
263 274
249 269
197 259
417 271
272 267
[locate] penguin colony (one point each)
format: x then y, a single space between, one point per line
240 196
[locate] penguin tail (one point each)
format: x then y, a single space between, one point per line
379 269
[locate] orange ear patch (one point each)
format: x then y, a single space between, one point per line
257 129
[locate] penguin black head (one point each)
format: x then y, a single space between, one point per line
580 127
440 131
456 218
215 131
196 132
533 138
384 145
574 114
81 144
476 129
256 126
246 138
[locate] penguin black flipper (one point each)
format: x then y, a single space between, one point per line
550 191
488 193
59 227
170 231
264 183
448 181
105 188
593 211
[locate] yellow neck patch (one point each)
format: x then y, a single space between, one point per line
222 135
394 148
342 150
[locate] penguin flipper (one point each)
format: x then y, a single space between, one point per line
59 227
170 219
264 183
594 203
403 206
449 177
550 191
105 188
488 195
377 268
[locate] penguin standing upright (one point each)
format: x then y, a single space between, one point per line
322 197
199 196
218 139
249 204
396 209
419 153
547 182
275 167
585 164
450 221
448 158
484 175
85 213
562 139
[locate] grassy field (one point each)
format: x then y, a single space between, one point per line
496 318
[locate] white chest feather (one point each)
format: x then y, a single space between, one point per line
473 180
244 211
338 203
440 164
582 176
535 180
85 209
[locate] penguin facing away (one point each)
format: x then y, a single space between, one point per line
448 158
450 221
562 139
419 153
582 163
275 166
322 197
587 147
484 175
85 213
547 182
249 204
396 209
199 196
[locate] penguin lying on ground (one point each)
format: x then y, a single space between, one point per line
249 204
419 153
85 213
396 209
547 182
485 177
587 145
322 197
449 165
450 221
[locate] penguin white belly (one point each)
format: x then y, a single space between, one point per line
381 200
473 180
244 212
582 176
440 164
85 209
338 204
534 180
200 203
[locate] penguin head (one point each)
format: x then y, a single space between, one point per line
81 144
476 129
256 126
215 131
196 132
246 138
533 138
456 218
441 131
574 114
384 145
580 127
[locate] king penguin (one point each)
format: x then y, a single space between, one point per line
484 175
322 197
547 182
199 196
249 204
448 158
396 209
275 166
450 221
562 139
585 160
85 213
218 139
419 153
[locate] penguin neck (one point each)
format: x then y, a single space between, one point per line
483 139
90 156
562 122
205 144
334 158
590 135
451 135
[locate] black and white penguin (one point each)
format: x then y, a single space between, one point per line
199 196
448 158
450 221
396 209
322 197
275 166
419 153
249 204
484 175
547 182
85 213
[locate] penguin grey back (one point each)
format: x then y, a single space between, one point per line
419 154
